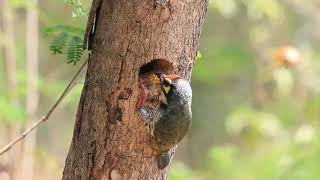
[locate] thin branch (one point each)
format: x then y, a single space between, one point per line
46 116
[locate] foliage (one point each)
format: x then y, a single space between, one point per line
75 50
66 39
59 43
78 8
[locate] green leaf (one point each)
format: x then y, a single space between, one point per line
71 30
74 50
198 56
69 38
59 43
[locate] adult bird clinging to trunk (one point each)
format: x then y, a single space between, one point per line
173 121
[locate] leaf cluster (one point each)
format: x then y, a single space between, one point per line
66 40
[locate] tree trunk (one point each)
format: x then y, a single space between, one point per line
109 139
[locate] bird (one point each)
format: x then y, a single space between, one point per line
173 120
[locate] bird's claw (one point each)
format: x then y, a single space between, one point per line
144 114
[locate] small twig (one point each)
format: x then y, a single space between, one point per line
45 117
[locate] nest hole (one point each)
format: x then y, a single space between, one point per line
151 82
157 66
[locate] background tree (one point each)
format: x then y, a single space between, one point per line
32 96
7 165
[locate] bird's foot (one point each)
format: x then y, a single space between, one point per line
144 115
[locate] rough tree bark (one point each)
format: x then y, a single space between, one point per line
109 139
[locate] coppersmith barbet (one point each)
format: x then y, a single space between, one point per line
173 120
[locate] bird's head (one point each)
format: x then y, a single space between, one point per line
168 82
175 84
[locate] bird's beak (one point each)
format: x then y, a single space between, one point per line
171 77
168 79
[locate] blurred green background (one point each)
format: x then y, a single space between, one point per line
255 110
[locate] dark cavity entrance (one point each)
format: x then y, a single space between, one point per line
157 66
